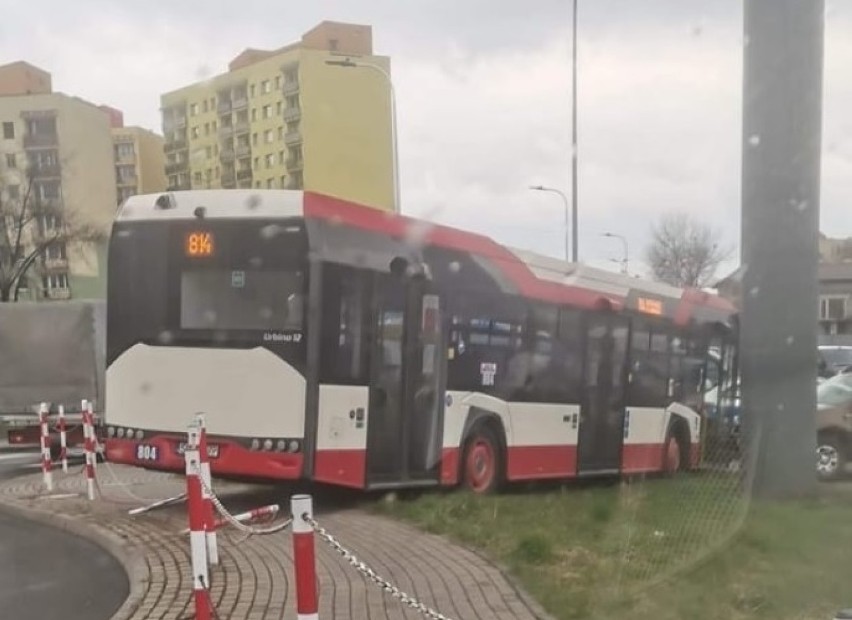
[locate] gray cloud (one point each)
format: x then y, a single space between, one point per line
484 98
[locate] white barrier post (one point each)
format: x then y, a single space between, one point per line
45 447
197 537
63 440
307 603
90 409
89 447
209 514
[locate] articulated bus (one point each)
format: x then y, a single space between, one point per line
327 341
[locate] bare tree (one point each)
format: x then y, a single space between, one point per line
29 226
684 251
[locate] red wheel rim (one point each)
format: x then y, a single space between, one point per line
672 455
480 465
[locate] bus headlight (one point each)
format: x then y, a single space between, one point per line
294 445
255 444
129 433
111 431
120 433
139 435
282 445
267 444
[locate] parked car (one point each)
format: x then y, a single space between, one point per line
834 426
834 359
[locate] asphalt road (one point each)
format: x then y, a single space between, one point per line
47 573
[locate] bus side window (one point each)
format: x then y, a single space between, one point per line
649 368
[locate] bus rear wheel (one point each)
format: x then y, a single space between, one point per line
672 455
481 467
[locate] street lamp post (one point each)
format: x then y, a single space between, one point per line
574 252
624 262
349 63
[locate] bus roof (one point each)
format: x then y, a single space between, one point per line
520 271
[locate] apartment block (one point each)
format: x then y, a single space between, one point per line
56 153
285 118
139 162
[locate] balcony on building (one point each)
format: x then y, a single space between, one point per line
243 150
291 87
41 141
55 264
176 167
295 164
225 131
223 107
239 100
45 171
242 175
177 144
226 155
57 293
292 113
127 179
241 127
293 137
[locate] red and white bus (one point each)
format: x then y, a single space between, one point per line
328 341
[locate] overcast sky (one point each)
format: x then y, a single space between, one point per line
483 91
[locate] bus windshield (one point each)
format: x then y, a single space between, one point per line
247 299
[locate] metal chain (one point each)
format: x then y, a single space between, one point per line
247 529
370 574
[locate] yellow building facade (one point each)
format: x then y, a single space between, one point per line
139 162
287 119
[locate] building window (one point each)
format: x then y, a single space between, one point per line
277 82
204 105
10 160
193 109
268 136
265 87
279 107
206 129
267 111
281 157
55 251
197 178
281 133
251 90
208 152
217 172
296 180
256 163
296 153
55 281
254 139
283 181
332 45
293 102
832 308
254 114
257 184
270 183
194 132
216 150
215 125
8 131
270 160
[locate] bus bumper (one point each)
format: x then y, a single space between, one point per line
227 458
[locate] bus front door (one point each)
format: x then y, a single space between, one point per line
405 417
601 429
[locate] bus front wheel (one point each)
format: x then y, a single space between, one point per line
482 462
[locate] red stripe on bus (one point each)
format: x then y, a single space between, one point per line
366 218
343 467
540 462
641 457
449 466
233 459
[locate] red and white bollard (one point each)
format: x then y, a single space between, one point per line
244 517
209 513
45 447
197 534
89 448
63 440
90 409
307 603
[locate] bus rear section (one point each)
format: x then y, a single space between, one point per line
207 315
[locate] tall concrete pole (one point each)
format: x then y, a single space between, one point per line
782 113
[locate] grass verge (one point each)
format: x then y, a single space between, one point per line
692 547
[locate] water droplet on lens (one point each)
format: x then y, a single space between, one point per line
754 140
455 266
754 291
165 337
253 201
790 340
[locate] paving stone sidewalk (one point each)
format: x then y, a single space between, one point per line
255 580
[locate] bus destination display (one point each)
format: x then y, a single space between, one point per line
199 244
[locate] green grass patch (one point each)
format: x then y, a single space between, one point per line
693 547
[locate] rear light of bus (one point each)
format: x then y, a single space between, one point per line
111 431
267 444
139 435
119 433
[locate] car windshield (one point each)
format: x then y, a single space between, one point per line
836 391
838 357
